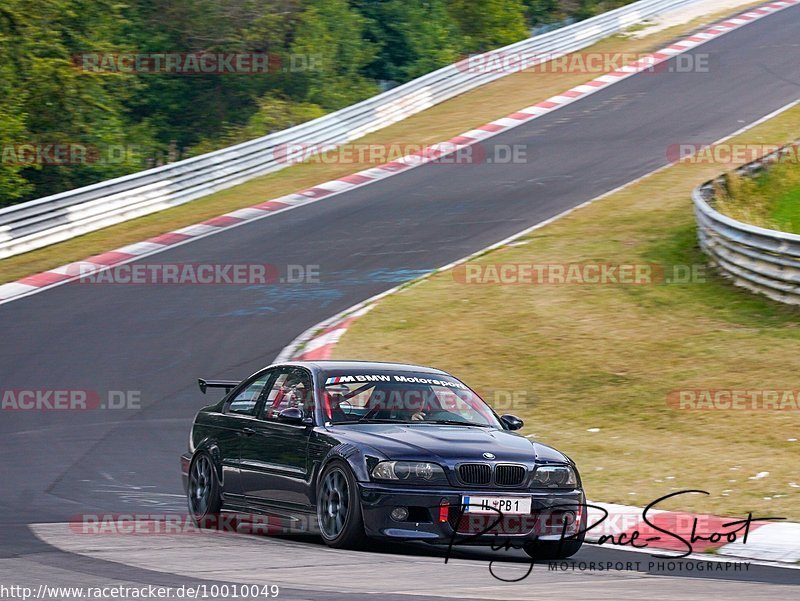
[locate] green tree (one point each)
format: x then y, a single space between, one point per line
273 114
489 24
12 117
329 38
184 109
53 101
331 54
414 36
539 12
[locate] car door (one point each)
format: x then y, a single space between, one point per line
234 422
274 458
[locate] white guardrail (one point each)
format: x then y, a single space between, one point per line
37 223
759 259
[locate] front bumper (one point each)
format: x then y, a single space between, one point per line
436 515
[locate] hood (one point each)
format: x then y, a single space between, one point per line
448 443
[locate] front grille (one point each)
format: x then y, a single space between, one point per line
509 475
475 473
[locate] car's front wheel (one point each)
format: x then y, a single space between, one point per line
341 523
203 491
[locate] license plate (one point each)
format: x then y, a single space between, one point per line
505 505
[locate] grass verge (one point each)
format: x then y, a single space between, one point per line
771 199
438 123
597 362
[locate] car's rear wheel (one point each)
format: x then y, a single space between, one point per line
341 523
552 549
203 491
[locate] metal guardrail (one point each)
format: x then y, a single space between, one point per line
762 260
38 223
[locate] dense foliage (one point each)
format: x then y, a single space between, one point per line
324 54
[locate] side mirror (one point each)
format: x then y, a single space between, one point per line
294 415
512 422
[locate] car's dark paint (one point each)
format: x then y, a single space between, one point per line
512 422
228 385
273 466
218 435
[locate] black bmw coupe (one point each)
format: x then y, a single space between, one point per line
354 450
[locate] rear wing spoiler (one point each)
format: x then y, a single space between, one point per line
226 384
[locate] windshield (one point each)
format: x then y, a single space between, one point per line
403 398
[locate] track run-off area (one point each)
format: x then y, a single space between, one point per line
157 339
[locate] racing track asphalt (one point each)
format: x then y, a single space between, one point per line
159 339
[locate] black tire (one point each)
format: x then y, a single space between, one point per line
547 549
341 523
203 491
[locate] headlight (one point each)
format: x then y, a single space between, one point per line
409 471
555 476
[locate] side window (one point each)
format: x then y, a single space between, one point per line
244 403
292 388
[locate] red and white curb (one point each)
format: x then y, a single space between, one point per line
766 541
322 344
73 271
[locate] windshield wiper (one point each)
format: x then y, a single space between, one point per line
453 422
378 420
374 420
